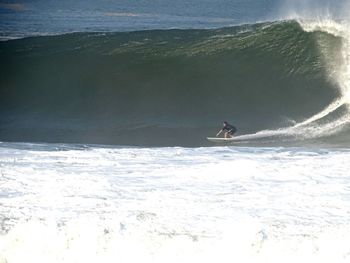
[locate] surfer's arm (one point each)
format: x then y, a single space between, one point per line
219 132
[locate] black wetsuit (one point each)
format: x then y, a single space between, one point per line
230 129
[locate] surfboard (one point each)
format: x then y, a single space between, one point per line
223 140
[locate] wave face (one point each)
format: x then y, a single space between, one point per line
277 82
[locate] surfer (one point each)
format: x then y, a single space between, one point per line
229 130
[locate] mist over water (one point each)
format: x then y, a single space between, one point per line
314 9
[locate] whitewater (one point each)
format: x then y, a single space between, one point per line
74 203
279 194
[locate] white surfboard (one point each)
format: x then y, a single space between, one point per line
223 140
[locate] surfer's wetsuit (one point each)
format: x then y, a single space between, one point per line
230 129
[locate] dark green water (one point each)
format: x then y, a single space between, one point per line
162 87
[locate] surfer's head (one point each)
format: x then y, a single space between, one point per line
225 123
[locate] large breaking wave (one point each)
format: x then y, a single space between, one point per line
281 82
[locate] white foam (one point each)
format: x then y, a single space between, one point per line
173 204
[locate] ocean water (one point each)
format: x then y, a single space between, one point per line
38 17
175 87
105 107
42 17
